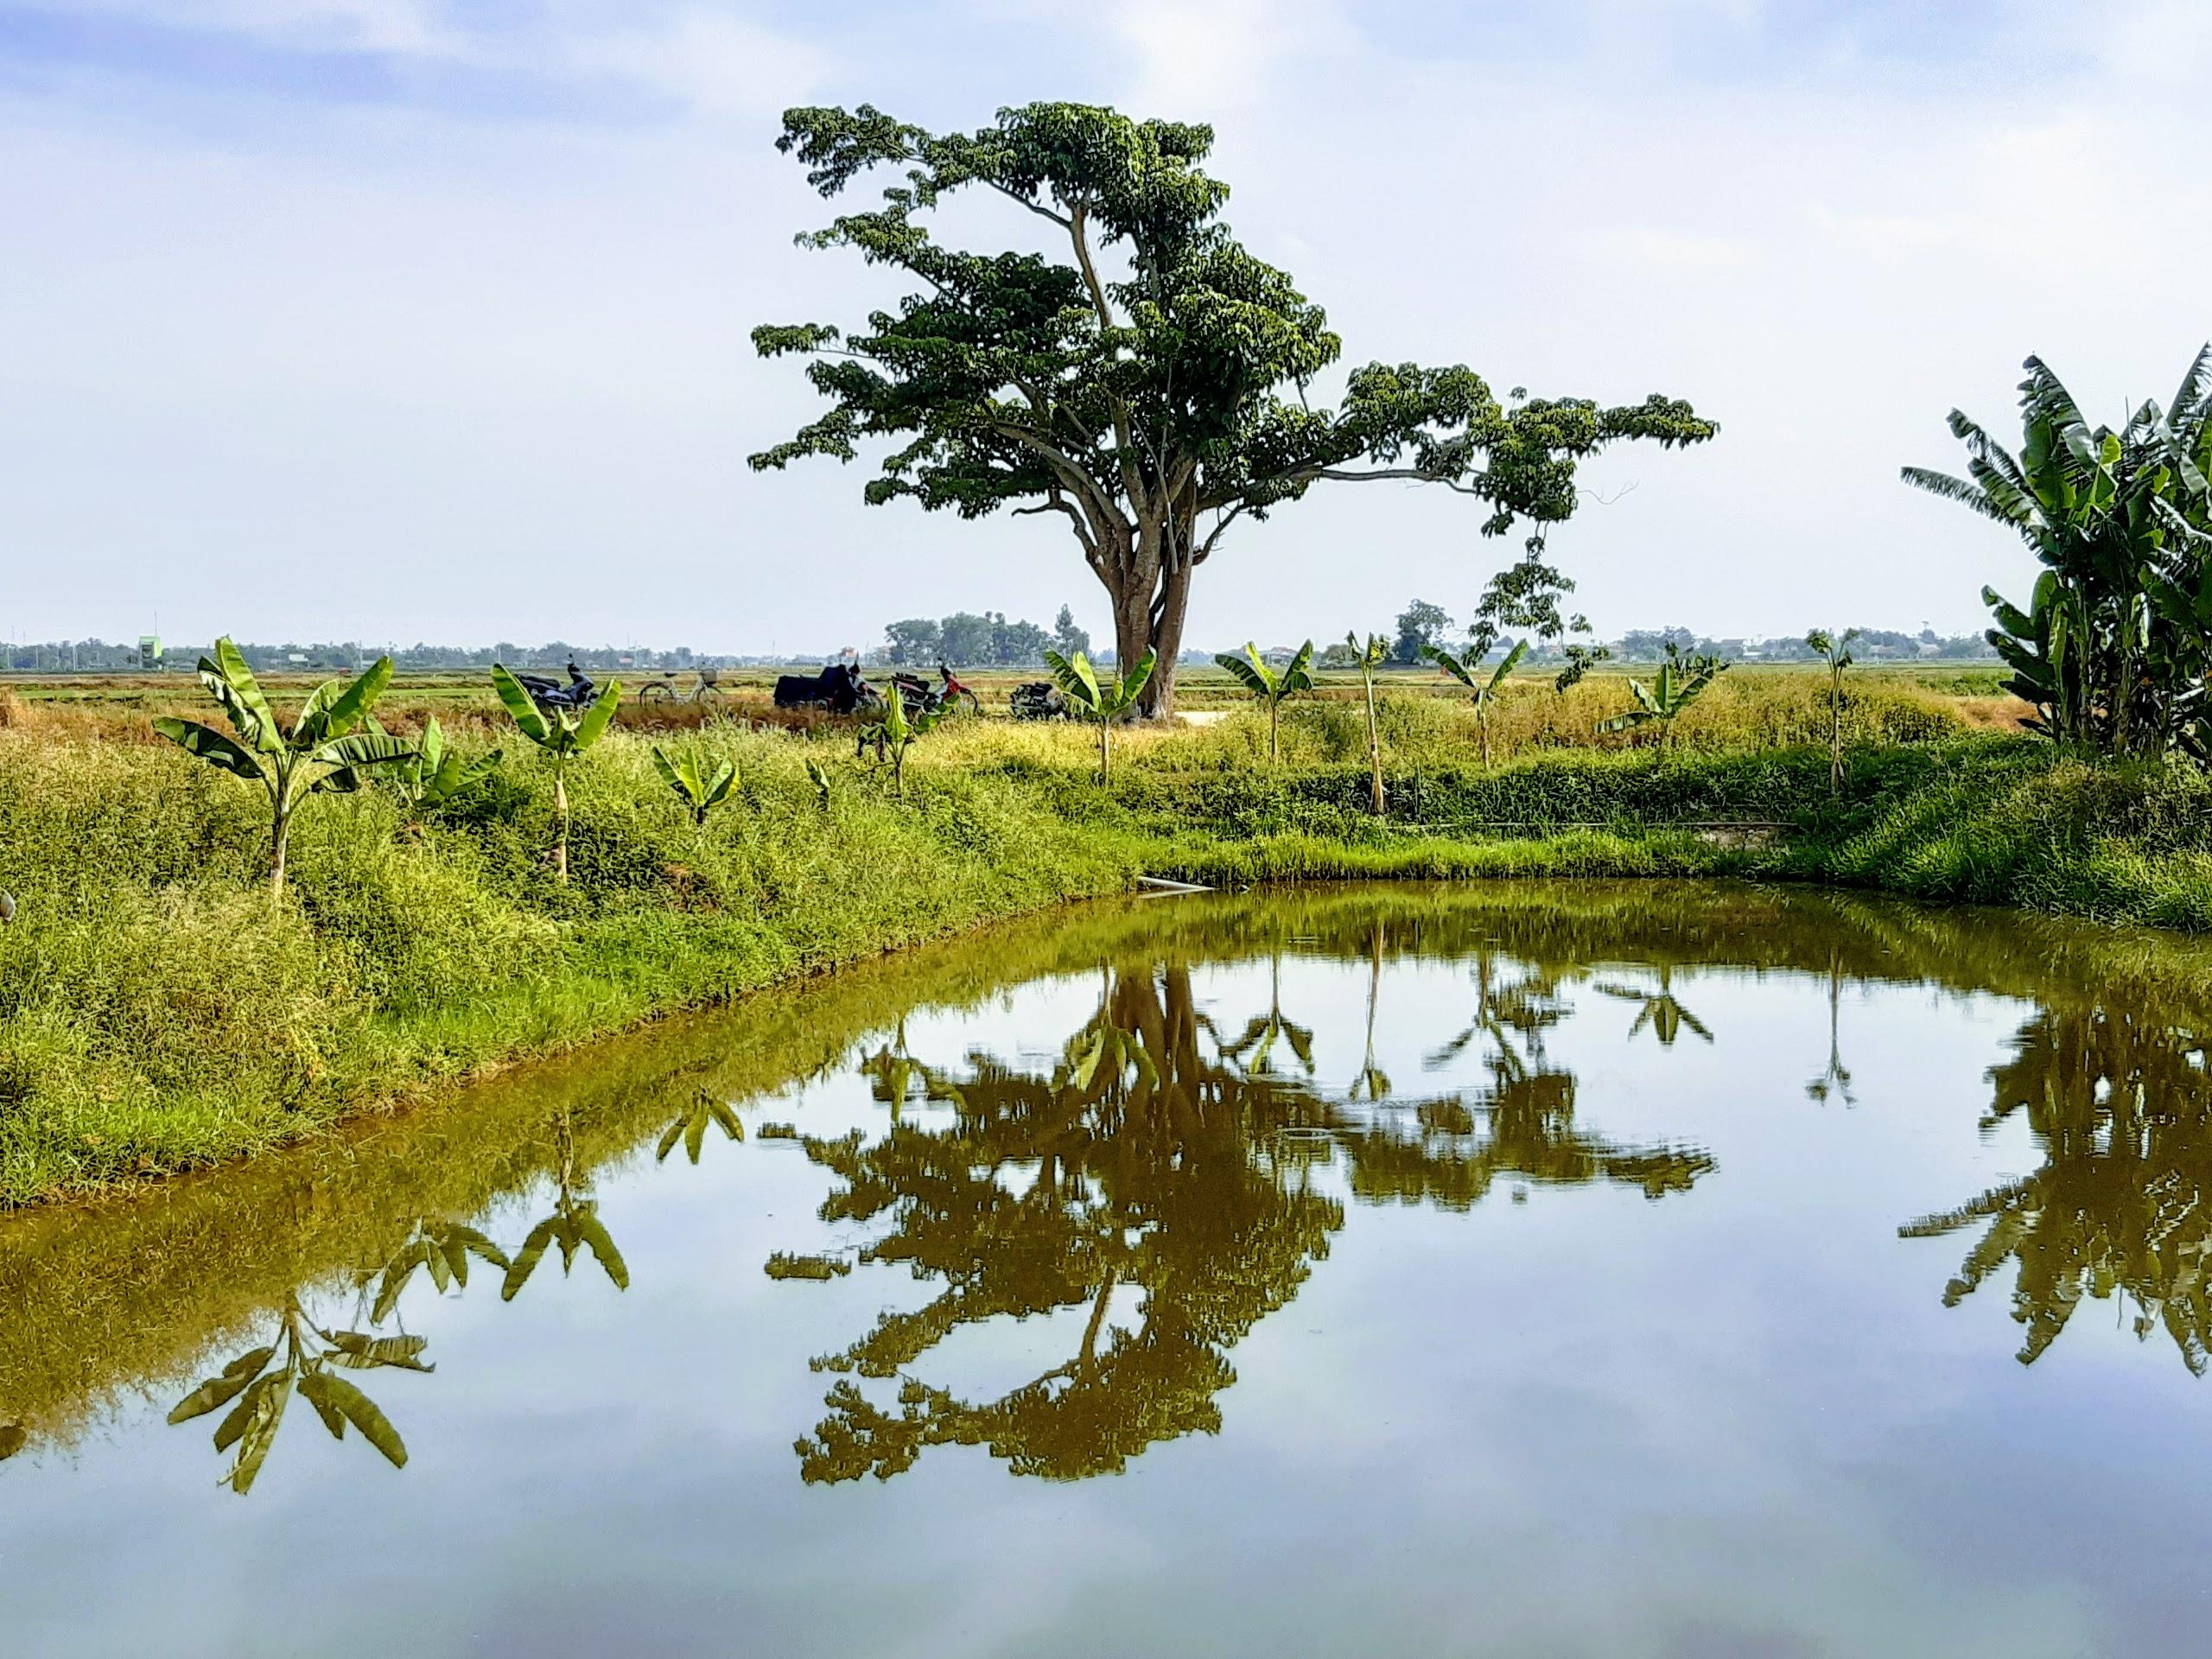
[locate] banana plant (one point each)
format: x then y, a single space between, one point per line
700 792
437 774
306 1361
1373 1083
1681 681
690 1126
573 1225
1367 658
322 752
1270 687
1468 670
895 733
1253 1050
2115 648
442 1249
1834 650
1100 698
563 735
431 776
1661 1010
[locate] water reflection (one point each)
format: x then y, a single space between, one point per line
307 1360
2120 1107
1155 1155
1169 1171
574 1224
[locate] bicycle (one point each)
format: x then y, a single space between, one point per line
663 690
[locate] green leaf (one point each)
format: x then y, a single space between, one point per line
349 707
365 751
316 1387
1499 675
212 747
232 683
479 1245
731 1128
13 1438
1077 680
674 777
695 1135
260 1430
1252 675
602 713
311 728
228 1430
526 1261
215 1391
1133 682
669 1136
594 1232
250 1363
395 1280
361 1412
524 713
1462 671
456 1257
371 1351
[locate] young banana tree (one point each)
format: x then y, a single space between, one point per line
1835 651
322 752
307 1360
700 792
1100 698
1681 681
689 1125
1367 658
1269 686
563 735
1468 670
895 733
432 775
573 1225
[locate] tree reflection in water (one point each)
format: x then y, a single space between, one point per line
2120 1107
1155 1157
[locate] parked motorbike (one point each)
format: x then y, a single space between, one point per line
920 696
550 695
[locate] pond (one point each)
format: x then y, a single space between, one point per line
1560 1269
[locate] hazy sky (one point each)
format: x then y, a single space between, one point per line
407 319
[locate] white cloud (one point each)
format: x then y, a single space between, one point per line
453 351
722 66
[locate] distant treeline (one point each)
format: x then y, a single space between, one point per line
1422 624
99 656
964 640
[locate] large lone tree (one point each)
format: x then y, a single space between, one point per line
1153 403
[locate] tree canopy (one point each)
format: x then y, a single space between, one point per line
1152 386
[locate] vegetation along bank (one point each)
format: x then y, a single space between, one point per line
160 1008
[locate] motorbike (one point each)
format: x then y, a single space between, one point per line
550 695
920 696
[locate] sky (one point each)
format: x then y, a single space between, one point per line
428 318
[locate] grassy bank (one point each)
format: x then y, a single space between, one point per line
157 1012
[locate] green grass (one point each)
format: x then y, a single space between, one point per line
157 1012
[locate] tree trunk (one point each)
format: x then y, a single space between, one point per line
560 841
1275 734
280 834
1149 586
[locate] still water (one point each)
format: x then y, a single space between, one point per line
1669 1269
